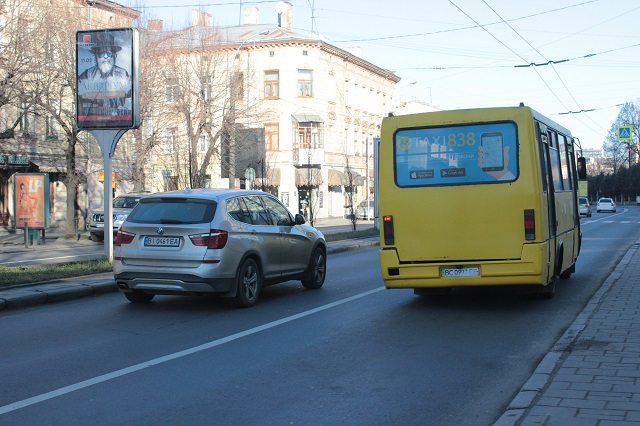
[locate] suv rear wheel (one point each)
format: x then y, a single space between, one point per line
248 284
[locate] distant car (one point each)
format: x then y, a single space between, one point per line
584 208
365 210
606 205
215 241
122 205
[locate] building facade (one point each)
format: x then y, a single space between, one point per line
306 114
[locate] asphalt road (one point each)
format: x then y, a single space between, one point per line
349 353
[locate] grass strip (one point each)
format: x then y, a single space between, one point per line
40 273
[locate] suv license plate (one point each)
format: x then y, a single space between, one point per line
460 272
161 242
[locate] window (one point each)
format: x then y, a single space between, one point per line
238 83
554 159
238 211
310 135
279 215
271 84
564 162
206 89
170 140
256 210
50 127
450 155
272 136
171 91
203 144
305 83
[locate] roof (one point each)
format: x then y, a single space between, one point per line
255 35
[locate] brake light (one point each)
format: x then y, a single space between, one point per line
529 224
214 239
124 237
387 228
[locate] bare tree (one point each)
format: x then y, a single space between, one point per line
204 97
624 151
57 72
20 82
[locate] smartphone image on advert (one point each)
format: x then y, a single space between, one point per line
492 148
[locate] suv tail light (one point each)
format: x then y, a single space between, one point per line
215 239
529 224
124 237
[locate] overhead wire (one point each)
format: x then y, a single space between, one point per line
548 62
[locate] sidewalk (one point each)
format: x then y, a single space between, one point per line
592 374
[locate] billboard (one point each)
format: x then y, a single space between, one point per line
31 200
107 77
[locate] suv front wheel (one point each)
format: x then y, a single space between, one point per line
317 270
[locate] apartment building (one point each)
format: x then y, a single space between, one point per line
304 118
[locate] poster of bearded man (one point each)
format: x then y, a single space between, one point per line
107 78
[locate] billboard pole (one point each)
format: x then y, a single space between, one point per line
108 139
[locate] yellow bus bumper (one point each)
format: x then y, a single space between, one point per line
532 268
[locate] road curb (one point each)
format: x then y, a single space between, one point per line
56 291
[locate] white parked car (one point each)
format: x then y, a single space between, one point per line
122 206
606 205
366 210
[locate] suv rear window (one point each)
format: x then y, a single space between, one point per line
173 211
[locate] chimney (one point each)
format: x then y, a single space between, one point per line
155 25
285 14
251 16
200 18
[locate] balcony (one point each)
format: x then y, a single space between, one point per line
308 156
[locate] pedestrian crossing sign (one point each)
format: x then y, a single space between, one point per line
624 133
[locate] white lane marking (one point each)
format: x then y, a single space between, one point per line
603 218
122 372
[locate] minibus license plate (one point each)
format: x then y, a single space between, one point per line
460 272
162 241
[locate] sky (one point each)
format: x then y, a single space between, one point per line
575 61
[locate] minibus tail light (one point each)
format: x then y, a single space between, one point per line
387 223
529 224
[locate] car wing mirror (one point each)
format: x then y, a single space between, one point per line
299 219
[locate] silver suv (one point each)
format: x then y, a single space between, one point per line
122 206
215 241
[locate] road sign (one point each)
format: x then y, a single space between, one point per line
624 133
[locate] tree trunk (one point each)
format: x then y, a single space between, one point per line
72 195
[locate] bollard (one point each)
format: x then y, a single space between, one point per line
26 235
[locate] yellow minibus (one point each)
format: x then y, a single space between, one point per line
477 197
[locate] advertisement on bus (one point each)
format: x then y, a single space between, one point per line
463 154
